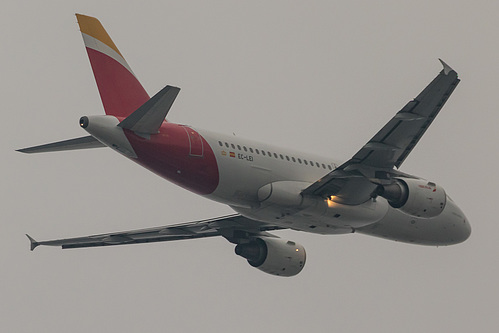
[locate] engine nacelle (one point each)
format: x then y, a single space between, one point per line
274 255
415 197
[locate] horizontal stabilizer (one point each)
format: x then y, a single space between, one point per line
354 181
148 118
73 144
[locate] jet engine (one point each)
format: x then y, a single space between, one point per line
415 197
273 255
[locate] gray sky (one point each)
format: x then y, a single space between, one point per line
321 76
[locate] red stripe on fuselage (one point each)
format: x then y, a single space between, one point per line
120 91
168 155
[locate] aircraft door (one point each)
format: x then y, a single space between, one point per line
195 142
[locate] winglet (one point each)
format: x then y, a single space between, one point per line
447 68
33 242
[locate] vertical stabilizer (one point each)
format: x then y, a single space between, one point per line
120 91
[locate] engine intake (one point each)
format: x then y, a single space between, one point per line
273 255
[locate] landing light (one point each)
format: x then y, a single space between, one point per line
330 202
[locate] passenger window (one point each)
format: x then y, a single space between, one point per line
232 145
323 166
329 166
220 143
282 157
299 160
245 149
226 145
317 164
294 160
239 147
275 155
287 157
257 151
305 161
263 152
251 149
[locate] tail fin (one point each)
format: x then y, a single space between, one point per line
119 88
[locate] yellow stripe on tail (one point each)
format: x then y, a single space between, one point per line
92 27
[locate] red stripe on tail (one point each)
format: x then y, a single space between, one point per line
120 91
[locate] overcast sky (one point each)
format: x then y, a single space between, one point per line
319 76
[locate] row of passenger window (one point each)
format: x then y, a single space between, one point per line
275 155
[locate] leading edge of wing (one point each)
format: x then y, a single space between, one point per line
232 227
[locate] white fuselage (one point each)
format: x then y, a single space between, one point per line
246 166
265 183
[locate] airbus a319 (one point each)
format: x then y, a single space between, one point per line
269 188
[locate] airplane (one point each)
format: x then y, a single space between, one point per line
268 187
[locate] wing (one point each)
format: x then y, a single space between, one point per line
233 227
355 180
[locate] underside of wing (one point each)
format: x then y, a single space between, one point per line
234 228
356 180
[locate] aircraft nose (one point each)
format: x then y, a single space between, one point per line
462 230
465 230
458 227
